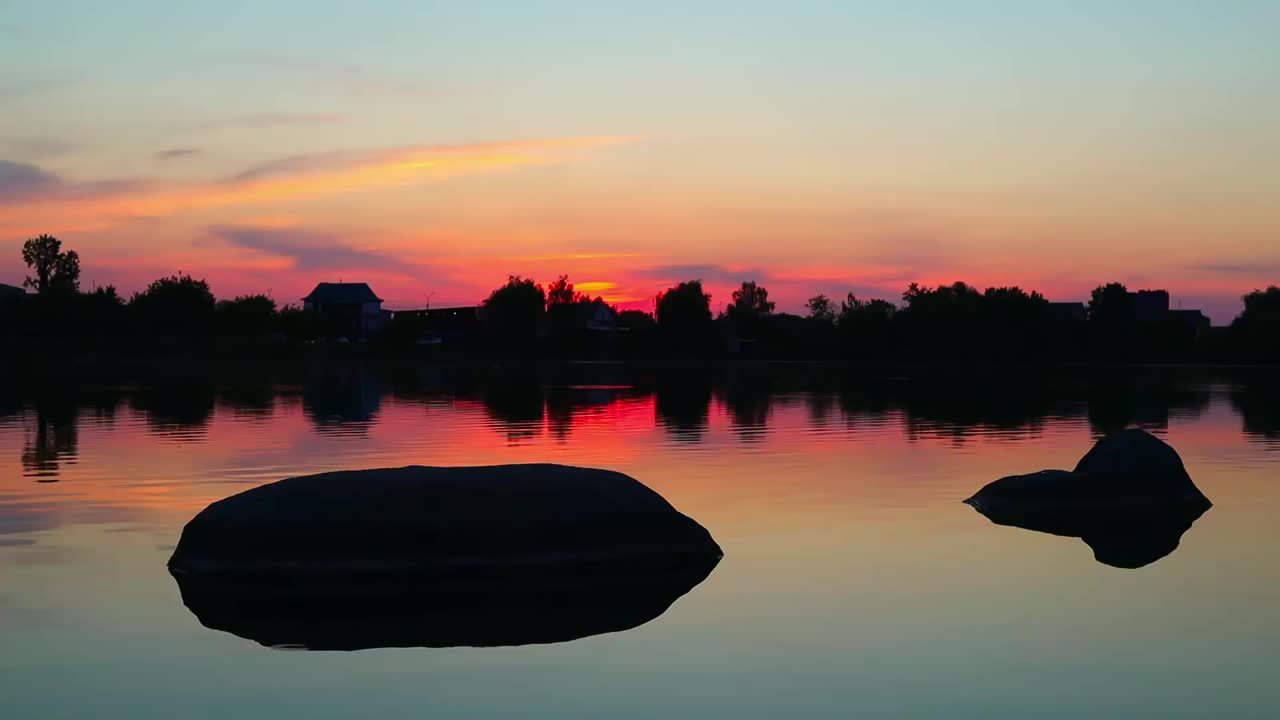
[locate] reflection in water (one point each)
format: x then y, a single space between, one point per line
749 399
516 405
53 440
1121 402
1258 403
248 401
363 613
180 411
348 401
345 403
682 405
1120 537
837 472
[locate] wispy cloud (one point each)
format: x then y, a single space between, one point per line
1248 269
44 195
176 153
309 249
711 273
38 147
19 181
28 186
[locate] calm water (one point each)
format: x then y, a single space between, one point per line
855 583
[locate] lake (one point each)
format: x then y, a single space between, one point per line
855 582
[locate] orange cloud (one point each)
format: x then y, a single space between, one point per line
287 178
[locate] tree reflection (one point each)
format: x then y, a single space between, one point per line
54 439
748 398
178 410
516 405
1257 400
682 405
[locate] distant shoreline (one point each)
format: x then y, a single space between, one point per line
89 358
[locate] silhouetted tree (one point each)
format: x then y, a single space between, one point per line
1112 321
102 312
640 331
176 305
1016 323
821 309
246 315
750 305
684 313
568 313
297 324
561 292
635 320
513 312
1111 304
1255 333
866 328
751 299
55 270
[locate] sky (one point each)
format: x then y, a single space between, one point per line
433 149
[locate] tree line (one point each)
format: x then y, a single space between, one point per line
956 323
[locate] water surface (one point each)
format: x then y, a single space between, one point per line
855 582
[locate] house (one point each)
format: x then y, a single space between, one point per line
599 317
350 309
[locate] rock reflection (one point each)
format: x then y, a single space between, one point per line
385 612
1129 498
1126 538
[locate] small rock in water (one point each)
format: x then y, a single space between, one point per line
1129 498
1128 467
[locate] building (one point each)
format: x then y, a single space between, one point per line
350 309
598 317
1073 311
1193 320
447 325
1150 305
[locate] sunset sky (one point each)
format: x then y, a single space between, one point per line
431 149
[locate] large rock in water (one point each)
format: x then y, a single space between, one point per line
439 557
1129 498
445 521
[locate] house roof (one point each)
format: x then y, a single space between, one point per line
342 293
